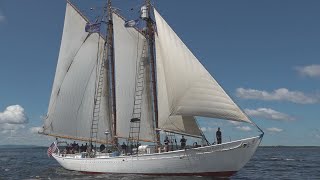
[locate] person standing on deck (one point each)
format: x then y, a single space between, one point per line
166 144
218 136
183 142
124 148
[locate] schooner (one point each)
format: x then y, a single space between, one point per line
132 85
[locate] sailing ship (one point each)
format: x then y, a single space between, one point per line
134 85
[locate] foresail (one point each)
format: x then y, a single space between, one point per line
191 90
72 99
185 125
128 45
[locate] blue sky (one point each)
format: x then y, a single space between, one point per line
265 54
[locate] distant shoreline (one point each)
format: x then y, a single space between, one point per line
288 146
20 146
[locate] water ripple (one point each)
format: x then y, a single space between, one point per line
267 163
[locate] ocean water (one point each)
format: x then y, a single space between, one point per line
267 163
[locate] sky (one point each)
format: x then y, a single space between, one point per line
265 54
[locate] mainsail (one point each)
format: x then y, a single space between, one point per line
72 99
128 45
190 89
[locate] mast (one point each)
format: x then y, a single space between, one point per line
150 37
111 63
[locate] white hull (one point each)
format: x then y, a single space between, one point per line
215 160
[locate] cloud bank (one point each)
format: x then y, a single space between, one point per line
274 129
311 70
35 130
281 94
10 128
267 113
207 129
15 130
244 128
236 123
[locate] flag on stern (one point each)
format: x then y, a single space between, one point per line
51 149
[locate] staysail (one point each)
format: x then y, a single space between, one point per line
72 99
128 45
175 123
191 90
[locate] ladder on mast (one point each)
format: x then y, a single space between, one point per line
134 133
96 109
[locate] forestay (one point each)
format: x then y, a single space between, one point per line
191 90
72 99
128 45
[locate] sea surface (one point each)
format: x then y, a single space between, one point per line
267 163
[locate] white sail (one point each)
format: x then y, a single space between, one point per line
191 90
179 124
128 45
185 125
72 99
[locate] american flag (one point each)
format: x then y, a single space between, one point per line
51 149
131 23
92 28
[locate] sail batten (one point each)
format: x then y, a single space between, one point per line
189 88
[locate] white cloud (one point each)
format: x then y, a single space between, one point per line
311 70
274 129
2 17
316 133
35 130
281 94
244 128
12 119
24 137
13 115
268 113
10 128
14 128
236 123
207 129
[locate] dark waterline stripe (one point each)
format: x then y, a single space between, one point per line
212 174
